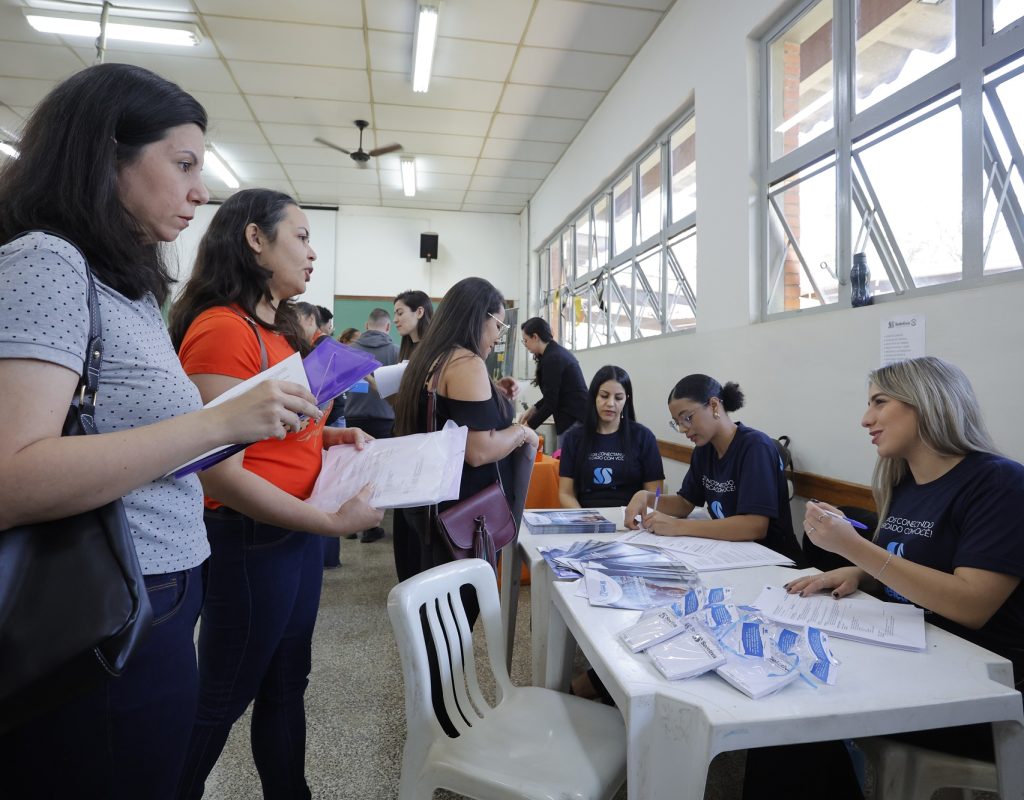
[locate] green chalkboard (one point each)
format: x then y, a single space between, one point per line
352 312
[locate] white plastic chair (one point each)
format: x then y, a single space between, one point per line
906 772
534 743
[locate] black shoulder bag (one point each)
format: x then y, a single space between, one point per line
73 602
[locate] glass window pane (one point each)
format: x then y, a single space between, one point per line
602 228
897 43
800 71
556 276
1003 188
590 321
681 282
568 275
914 182
802 239
1006 12
647 304
622 201
582 230
620 303
683 149
650 195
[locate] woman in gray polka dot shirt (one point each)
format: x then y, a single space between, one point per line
110 168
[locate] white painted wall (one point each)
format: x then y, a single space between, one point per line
322 223
804 376
378 251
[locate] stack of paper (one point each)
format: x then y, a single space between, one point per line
569 520
705 555
899 625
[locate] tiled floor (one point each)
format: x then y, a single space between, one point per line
355 701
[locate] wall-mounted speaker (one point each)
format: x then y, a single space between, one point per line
428 246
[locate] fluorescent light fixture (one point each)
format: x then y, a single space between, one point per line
409 176
7 150
220 169
423 49
133 29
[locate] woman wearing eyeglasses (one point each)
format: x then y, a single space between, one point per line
734 470
559 377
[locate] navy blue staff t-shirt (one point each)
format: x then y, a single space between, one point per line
609 478
748 479
970 517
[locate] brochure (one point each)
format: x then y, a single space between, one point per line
705 555
568 520
617 589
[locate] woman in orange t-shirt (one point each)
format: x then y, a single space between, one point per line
266 565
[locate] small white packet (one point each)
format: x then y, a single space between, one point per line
811 647
755 664
655 625
692 652
719 615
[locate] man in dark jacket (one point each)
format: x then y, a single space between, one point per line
559 377
367 410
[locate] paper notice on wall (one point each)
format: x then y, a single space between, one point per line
902 338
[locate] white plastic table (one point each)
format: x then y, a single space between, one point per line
675 728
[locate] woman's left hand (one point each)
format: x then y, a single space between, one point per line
356 436
509 387
828 532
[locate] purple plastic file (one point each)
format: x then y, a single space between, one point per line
331 368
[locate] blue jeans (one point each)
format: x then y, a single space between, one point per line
126 739
255 646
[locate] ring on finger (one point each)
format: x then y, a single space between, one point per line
812 528
822 517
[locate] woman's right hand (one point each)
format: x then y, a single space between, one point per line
269 410
355 514
524 418
841 582
531 438
637 507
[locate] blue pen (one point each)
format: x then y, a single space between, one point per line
657 497
833 514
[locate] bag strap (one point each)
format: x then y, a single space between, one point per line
255 329
84 402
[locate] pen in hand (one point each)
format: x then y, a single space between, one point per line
834 515
657 497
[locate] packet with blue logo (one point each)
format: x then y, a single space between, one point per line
755 663
692 652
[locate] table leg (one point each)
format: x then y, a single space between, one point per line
510 579
1008 737
667 751
560 649
540 611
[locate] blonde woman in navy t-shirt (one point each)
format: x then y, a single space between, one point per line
735 471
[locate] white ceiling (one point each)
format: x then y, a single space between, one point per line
513 83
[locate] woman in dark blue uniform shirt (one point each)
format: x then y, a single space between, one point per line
734 470
559 377
610 456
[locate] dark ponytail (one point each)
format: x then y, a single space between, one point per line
701 388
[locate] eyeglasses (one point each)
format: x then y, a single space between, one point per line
502 326
685 422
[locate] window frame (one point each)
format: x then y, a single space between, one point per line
978 52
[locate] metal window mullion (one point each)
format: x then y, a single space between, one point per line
844 61
1009 205
999 112
882 245
883 222
680 275
795 178
796 161
796 249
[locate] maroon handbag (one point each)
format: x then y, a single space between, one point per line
479 526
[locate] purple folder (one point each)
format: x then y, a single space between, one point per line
331 368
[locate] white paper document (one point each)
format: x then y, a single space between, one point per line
898 625
389 378
705 555
290 369
416 470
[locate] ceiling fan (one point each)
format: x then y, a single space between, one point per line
361 156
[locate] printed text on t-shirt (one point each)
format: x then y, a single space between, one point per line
718 487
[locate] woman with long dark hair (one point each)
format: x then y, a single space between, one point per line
266 566
471 319
610 456
559 378
413 312
109 169
735 471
